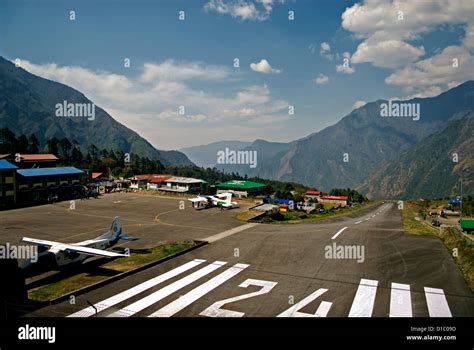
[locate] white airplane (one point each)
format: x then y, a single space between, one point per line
223 200
76 252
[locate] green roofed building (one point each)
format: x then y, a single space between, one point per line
242 188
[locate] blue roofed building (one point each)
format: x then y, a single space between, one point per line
7 183
38 185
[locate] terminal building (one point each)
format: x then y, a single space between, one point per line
183 185
148 181
43 184
242 188
168 183
34 178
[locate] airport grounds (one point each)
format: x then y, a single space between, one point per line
290 260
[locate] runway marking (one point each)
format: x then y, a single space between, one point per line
118 298
338 232
437 303
322 310
215 310
364 299
228 233
166 291
400 300
358 222
367 219
198 292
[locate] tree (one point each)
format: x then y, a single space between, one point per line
76 156
66 146
93 151
108 164
23 144
53 145
8 142
33 144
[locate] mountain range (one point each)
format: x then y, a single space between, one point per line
351 152
28 105
382 156
205 155
432 168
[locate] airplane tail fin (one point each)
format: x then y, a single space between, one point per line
115 230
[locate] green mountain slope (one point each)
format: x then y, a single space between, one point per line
346 153
429 169
27 105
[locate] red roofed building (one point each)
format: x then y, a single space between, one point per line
335 200
312 194
148 181
96 175
28 161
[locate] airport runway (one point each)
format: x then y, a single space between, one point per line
287 270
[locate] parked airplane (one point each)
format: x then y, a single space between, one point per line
223 200
65 254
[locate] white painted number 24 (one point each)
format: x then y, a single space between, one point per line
216 310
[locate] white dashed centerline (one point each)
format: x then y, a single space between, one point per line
358 222
338 232
228 233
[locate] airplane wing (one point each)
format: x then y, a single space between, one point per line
71 247
198 199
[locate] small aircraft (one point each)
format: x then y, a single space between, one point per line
223 200
65 254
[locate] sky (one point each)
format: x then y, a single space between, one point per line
212 70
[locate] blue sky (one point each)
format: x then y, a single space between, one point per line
190 63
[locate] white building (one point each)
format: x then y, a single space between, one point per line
183 185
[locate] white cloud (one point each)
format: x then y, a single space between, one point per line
345 69
264 67
358 104
325 47
380 18
428 92
174 71
149 103
453 84
436 70
388 42
388 53
325 50
252 10
469 37
321 79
